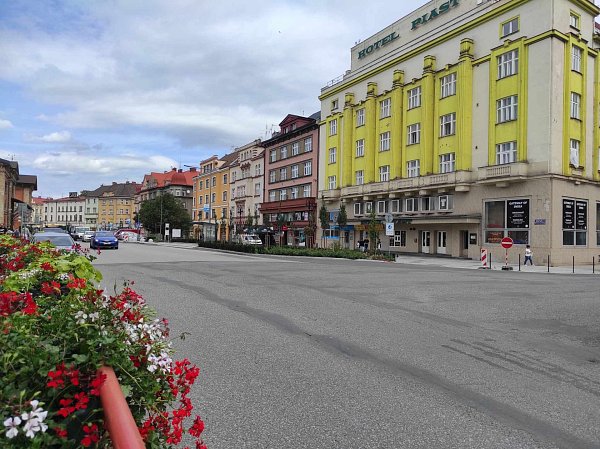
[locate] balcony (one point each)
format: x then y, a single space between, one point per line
330 194
503 174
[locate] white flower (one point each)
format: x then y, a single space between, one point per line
94 316
38 412
11 425
35 420
81 317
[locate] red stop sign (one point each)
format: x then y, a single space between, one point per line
506 242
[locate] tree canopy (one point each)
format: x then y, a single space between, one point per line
163 209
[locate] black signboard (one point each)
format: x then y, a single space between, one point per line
517 214
568 214
581 215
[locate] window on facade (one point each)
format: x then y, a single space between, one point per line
399 238
574 222
257 188
360 117
294 193
283 194
306 190
576 54
413 168
295 148
294 171
271 195
333 127
332 154
445 202
506 109
384 173
384 141
332 182
284 152
308 145
308 168
382 207
358 208
385 108
574 21
448 124
448 85
273 154
360 177
447 164
335 104
225 179
574 146
214 181
414 133
206 198
506 153
271 176
360 147
368 207
510 27
412 205
508 64
414 98
225 196
257 170
213 197
428 204
282 174
396 206
575 105
507 218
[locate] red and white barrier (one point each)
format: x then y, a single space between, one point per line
484 258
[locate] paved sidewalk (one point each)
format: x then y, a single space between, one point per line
450 262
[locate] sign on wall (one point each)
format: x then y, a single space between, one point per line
517 214
568 214
580 215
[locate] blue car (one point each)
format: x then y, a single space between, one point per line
104 239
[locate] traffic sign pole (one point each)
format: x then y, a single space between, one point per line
506 243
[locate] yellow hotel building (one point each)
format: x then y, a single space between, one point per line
468 121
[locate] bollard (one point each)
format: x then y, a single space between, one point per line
548 263
573 264
593 265
519 262
490 260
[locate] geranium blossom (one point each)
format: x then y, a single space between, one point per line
12 426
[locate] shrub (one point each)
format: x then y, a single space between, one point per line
56 329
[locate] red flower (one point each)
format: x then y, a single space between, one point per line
96 383
76 283
46 266
91 435
197 428
62 433
82 401
66 407
50 288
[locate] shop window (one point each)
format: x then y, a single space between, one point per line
507 218
399 238
574 222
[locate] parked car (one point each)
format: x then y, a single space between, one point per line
87 236
78 232
60 230
127 234
61 240
249 239
104 239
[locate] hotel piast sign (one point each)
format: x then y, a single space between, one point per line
444 7
377 45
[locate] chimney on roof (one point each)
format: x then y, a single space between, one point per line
192 168
179 171
114 183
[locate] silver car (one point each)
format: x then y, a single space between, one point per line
59 239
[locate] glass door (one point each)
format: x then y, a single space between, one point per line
425 241
441 242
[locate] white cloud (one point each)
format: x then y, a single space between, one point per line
56 137
5 124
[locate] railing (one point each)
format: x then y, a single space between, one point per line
119 422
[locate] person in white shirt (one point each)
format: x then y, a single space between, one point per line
528 255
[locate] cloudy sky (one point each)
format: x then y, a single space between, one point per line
98 91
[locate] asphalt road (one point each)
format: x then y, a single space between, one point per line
320 353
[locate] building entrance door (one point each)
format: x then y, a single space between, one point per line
441 242
425 241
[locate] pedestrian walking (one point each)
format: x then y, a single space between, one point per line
528 255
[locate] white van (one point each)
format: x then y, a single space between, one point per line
249 239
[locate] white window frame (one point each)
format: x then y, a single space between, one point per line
448 85
576 57
384 173
413 168
359 177
507 109
283 173
575 105
333 127
508 64
428 203
411 205
360 147
294 171
332 155
283 194
510 27
358 209
414 97
506 153
413 134
447 162
308 145
307 168
448 124
368 207
332 182
445 202
306 190
294 193
385 108
360 117
574 20
295 149
273 154
382 207
384 141
272 176
284 152
574 152
396 206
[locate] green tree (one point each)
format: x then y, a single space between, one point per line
249 221
373 231
342 221
163 209
324 219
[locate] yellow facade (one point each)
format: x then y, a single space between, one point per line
115 212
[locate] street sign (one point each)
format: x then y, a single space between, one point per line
206 208
389 229
506 242
389 218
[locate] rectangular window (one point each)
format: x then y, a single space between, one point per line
358 209
445 202
224 196
368 207
282 174
225 179
272 195
335 104
360 177
283 152
574 146
412 205
575 105
576 54
257 170
214 198
257 188
333 127
360 147
273 154
214 181
574 222
294 171
447 163
294 193
574 20
396 206
283 194
508 64
295 148
332 154
385 108
447 124
331 182
448 85
382 207
308 145
506 109
507 218
414 97
399 238
308 168
306 190
384 173
271 176
510 27
414 133
506 153
360 117
413 168
384 141
427 204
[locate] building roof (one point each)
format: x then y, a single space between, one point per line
156 180
123 189
28 179
40 200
